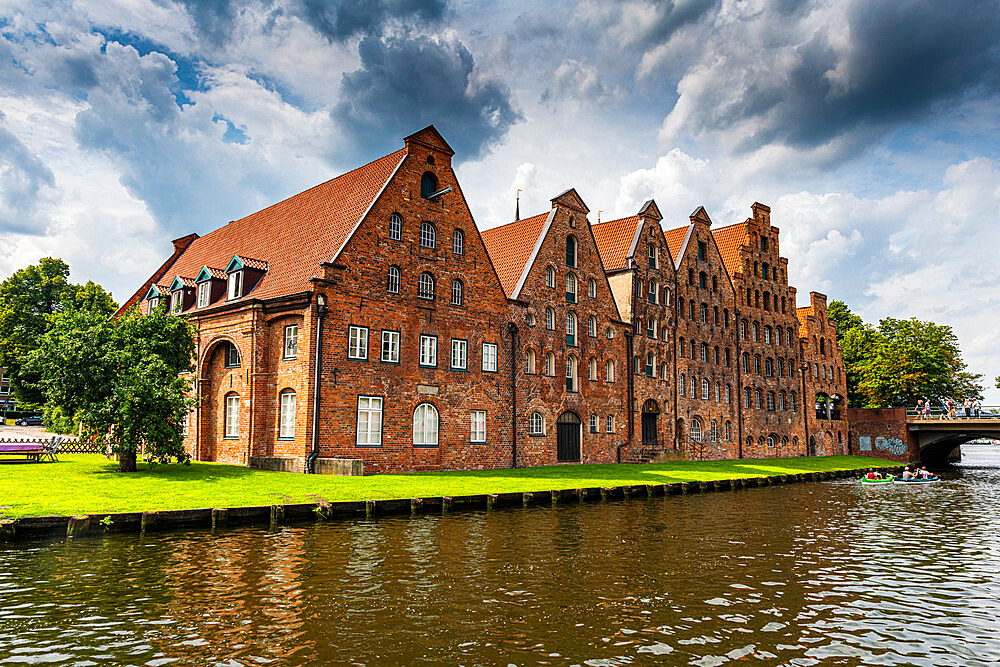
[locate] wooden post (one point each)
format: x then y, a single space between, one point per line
580 495
219 518
369 508
491 501
526 498
277 515
446 502
148 521
605 493
7 530
554 495
416 504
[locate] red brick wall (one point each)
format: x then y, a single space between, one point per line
882 433
819 350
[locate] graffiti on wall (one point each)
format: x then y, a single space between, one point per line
894 446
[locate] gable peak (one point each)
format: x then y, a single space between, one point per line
650 210
701 215
570 199
430 138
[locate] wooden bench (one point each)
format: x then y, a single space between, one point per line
31 450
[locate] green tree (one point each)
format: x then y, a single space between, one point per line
125 379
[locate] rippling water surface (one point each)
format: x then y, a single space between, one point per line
831 573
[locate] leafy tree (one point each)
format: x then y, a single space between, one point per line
123 378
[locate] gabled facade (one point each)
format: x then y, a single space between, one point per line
824 383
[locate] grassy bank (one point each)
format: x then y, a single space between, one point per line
88 483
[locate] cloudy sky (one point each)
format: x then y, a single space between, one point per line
871 127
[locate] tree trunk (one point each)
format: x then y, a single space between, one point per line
126 462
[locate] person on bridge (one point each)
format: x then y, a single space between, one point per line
976 407
944 408
927 409
920 408
968 408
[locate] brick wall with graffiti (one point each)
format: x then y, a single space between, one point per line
882 433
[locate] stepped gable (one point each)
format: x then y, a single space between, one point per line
293 237
616 241
510 247
729 241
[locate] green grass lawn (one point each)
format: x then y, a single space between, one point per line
89 483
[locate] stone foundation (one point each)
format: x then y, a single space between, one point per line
278 463
349 467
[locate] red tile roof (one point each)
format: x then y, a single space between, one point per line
219 274
614 240
292 238
729 241
509 247
675 239
249 263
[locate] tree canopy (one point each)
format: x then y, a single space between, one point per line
900 361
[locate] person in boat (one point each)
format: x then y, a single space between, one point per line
907 474
925 474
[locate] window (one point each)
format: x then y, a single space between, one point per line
746 398
663 370
770 441
592 288
593 423
718 392
478 423
291 344
703 352
791 401
550 277
609 333
592 326
609 370
770 401
703 280
460 355
456 292
536 424
715 431
680 385
458 242
691 310
392 280
746 363
425 426
654 290
777 336
395 227
570 288
702 250
235 285
729 393
705 389
490 357
703 312
550 364
756 330
769 367
390 347
726 357
729 431
357 343
204 289
428 185
176 301
725 317
571 251
756 364
425 286
610 424
232 416
758 397
529 319
428 235
550 319
571 375
651 328
651 251
232 356
529 361
286 414
680 347
650 365
592 369
428 350
696 433
715 356
571 329
781 400
743 329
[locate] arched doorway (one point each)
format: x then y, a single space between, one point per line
811 451
568 437
650 411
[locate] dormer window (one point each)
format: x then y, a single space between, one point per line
203 293
210 285
235 288
176 301
155 298
242 275
154 303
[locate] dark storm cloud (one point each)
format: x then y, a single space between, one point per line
22 175
213 19
407 83
343 19
672 16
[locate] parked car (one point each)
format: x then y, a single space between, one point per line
29 421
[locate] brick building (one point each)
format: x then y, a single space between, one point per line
824 383
438 346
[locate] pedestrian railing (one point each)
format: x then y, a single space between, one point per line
984 412
67 446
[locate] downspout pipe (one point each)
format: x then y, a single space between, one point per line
630 373
739 386
513 331
317 384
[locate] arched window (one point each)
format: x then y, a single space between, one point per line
425 426
749 443
550 318
755 329
692 386
571 384
570 329
756 364
395 227
550 364
703 351
746 397
715 356
680 347
791 401
428 184
725 317
458 242
536 424
770 401
592 368
609 370
592 288
703 280
550 277
650 365
758 399
654 290
822 346
743 329
392 280
703 313
729 431
456 293
781 366
767 335
777 336
746 362
696 433
663 370
529 319
570 288
428 235
593 423
529 361
571 251
286 414
232 416
592 326
770 441
680 385
718 392
715 315
769 367
781 400
729 392
788 338
425 286
715 431
705 389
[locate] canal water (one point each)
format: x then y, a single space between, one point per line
827 572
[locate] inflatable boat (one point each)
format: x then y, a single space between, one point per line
884 480
900 480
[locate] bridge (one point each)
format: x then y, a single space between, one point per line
931 439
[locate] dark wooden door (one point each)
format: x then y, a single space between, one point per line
568 441
649 438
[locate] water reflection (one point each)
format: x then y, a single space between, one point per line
832 573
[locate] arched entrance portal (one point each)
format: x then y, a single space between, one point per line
650 411
568 437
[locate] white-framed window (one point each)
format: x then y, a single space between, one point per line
232 356
457 292
4 390
392 280
609 424
663 370
529 319
593 423
571 329
592 288
654 290
235 285
286 414
651 328
536 424
609 370
550 364
550 277
592 368
651 251
650 365
425 286
705 388
232 416
571 374
490 357
696 432
718 392
369 421
204 291
715 430
529 361
357 347
428 235
550 318
290 349
571 288
609 333
478 423
592 326
395 227
428 350
459 354
390 347
425 426
729 393
458 242
680 385
176 301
